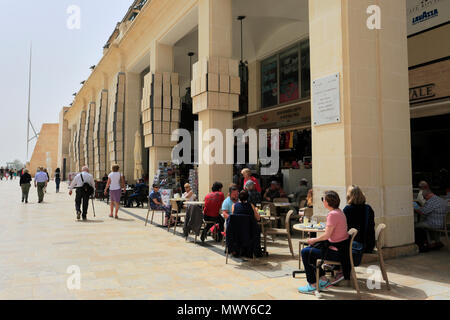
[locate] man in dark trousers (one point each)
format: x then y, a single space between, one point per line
81 195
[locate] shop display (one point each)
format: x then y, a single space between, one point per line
193 179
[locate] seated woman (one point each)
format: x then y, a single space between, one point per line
189 194
361 217
335 233
243 233
244 207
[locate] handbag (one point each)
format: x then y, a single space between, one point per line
358 247
87 188
323 247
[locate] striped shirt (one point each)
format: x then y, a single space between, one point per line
435 210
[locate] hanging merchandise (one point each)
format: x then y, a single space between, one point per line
291 140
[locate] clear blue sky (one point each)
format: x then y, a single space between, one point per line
61 60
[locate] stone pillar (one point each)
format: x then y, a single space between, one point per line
100 147
131 122
73 144
64 139
160 105
80 141
116 122
89 136
215 86
370 146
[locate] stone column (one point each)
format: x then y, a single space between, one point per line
131 121
89 136
81 141
64 139
160 105
215 87
370 146
100 147
73 144
116 122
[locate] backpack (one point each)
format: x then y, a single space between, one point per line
87 188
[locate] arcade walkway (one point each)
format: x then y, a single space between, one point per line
124 260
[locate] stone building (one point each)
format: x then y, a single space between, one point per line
45 153
264 76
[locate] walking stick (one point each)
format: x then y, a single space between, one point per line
93 207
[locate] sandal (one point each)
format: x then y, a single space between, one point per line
116 217
111 216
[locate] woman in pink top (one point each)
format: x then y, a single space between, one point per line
335 232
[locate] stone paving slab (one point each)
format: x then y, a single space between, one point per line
123 259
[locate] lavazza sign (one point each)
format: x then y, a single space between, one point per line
426 14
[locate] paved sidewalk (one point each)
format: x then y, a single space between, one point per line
125 260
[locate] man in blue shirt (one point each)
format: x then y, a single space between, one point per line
227 205
40 182
433 214
157 204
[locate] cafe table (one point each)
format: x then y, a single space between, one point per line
265 220
194 203
304 242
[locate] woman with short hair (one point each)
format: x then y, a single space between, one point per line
335 233
244 207
247 173
25 184
115 183
189 194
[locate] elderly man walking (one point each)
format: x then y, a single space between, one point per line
85 187
40 182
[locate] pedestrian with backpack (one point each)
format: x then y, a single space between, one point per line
85 187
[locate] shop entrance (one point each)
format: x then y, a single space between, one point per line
430 152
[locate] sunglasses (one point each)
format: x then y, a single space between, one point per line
323 199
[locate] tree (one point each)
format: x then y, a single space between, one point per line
16 164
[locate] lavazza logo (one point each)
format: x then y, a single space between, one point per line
427 14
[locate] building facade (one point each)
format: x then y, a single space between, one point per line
261 74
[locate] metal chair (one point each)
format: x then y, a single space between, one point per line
352 232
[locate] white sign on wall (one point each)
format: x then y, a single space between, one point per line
426 14
326 100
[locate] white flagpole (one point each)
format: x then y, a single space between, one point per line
29 101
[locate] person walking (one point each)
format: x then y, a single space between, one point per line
115 183
48 179
25 184
85 187
57 179
40 182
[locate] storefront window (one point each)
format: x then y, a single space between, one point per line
306 69
289 64
269 82
286 76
